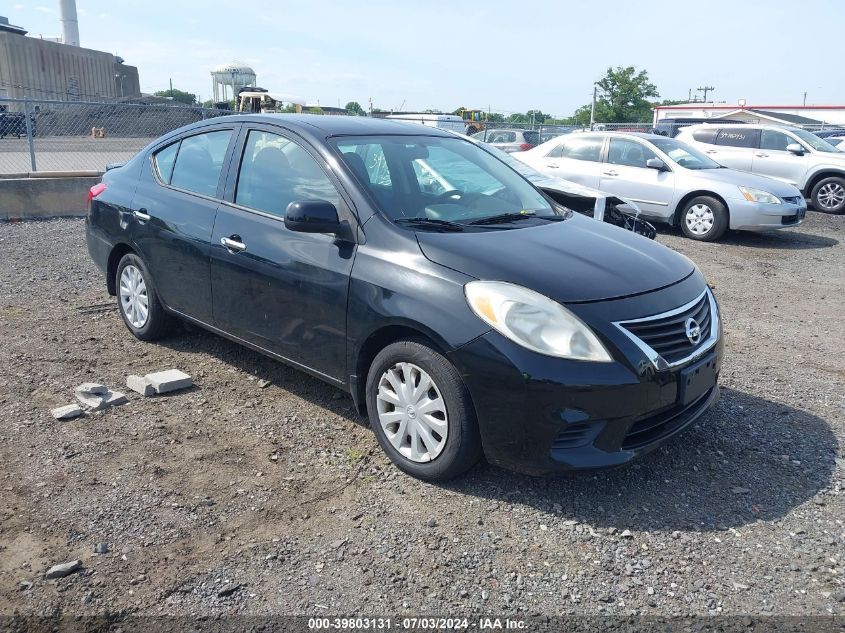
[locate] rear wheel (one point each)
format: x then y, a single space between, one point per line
421 412
137 301
829 195
704 219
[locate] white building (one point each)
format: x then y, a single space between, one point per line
811 115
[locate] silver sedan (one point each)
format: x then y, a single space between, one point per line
671 182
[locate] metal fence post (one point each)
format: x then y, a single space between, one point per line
29 133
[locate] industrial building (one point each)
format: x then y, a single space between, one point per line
36 68
809 115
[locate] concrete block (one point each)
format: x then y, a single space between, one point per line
98 402
169 380
92 388
140 384
67 412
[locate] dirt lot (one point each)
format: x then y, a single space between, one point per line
232 498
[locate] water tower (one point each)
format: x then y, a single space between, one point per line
234 74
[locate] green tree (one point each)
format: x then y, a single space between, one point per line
188 98
354 108
315 110
623 96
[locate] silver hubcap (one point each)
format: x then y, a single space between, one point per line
699 219
133 296
412 413
831 195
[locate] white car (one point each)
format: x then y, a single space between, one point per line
790 154
671 182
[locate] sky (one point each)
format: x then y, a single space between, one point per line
442 55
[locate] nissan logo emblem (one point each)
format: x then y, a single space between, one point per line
693 331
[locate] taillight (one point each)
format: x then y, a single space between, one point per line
524 147
95 191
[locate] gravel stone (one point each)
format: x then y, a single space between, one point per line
63 569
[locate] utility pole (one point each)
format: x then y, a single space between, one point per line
805 97
171 87
705 90
593 109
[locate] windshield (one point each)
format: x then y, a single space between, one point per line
818 144
683 155
438 178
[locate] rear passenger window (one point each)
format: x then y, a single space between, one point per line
164 159
705 136
275 171
737 137
200 161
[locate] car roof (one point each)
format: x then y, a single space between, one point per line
330 125
750 126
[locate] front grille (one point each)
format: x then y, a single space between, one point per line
653 428
667 335
792 199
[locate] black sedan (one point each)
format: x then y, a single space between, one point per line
465 311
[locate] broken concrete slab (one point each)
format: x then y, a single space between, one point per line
102 401
67 412
65 569
140 384
169 380
92 388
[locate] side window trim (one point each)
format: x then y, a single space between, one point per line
234 128
347 210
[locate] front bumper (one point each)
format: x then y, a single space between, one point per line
758 216
539 414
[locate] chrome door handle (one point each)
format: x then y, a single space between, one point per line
761 155
553 165
232 244
711 151
140 214
612 172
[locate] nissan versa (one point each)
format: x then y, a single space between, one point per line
481 320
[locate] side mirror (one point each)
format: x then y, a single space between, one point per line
656 163
312 216
795 148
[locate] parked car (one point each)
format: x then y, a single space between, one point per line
671 127
509 140
671 182
829 133
790 154
482 320
595 204
14 124
837 141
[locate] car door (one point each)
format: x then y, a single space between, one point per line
281 290
173 212
772 159
735 147
625 173
576 158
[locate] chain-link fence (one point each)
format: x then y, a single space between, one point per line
83 136
87 136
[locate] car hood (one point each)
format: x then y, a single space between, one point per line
745 179
572 261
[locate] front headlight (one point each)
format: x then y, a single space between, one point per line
758 195
534 321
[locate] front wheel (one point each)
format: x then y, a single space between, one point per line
421 413
704 219
829 195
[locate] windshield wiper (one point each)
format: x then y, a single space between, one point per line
434 223
503 217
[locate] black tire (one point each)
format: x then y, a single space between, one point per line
704 203
158 322
831 190
462 447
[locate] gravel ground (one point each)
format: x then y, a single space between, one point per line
231 498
